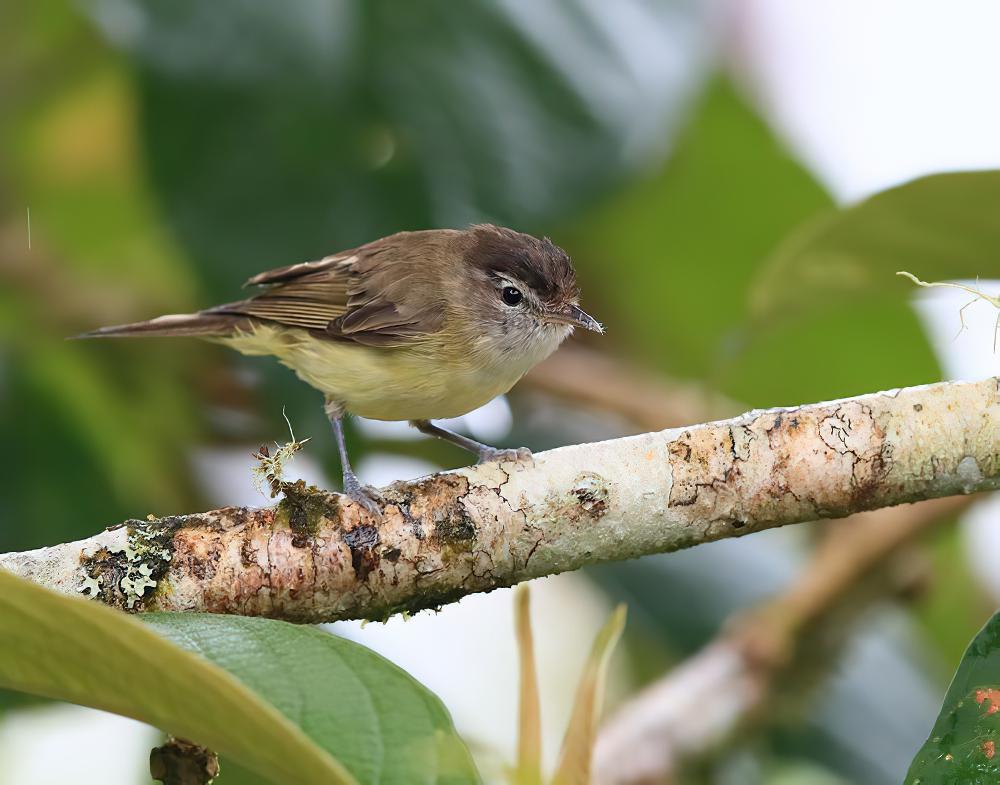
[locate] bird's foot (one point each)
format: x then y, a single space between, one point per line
489 454
365 495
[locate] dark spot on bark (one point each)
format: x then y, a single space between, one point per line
918 407
248 553
392 555
415 528
362 541
681 449
454 529
591 494
738 524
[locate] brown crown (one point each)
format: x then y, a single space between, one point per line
540 264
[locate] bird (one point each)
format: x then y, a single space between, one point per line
416 326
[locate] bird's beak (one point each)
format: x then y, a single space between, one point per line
574 316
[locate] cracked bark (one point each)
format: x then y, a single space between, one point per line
318 557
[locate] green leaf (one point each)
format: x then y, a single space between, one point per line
964 744
366 712
667 263
937 227
290 702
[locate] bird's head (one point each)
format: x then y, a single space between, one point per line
522 293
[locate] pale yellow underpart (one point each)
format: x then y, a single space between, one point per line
411 383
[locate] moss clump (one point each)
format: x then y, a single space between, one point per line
303 510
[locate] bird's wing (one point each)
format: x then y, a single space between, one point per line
378 295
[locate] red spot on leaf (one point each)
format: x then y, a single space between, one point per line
991 695
989 749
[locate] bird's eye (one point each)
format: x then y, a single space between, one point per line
511 296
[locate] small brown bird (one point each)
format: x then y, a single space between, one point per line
416 326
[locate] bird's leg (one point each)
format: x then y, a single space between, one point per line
484 451
352 486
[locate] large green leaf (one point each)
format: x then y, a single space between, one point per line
942 226
964 744
368 713
292 703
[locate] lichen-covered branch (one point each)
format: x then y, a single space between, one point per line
316 556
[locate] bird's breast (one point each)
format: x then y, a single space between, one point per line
428 381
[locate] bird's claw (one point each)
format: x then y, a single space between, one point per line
364 495
519 455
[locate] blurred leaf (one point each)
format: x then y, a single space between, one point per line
279 133
878 344
292 701
109 424
578 744
963 745
529 722
667 263
937 227
958 604
800 773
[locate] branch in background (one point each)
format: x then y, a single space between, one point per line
318 557
597 380
763 658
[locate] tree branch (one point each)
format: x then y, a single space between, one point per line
318 557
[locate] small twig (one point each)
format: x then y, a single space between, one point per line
271 468
979 295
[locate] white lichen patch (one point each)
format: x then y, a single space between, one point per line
140 555
969 474
90 587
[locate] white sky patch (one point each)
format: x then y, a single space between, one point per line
963 354
873 94
57 744
382 468
226 474
490 422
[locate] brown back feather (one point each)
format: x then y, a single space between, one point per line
381 294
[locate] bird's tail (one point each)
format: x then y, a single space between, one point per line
202 325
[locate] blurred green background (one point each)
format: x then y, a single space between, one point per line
153 155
